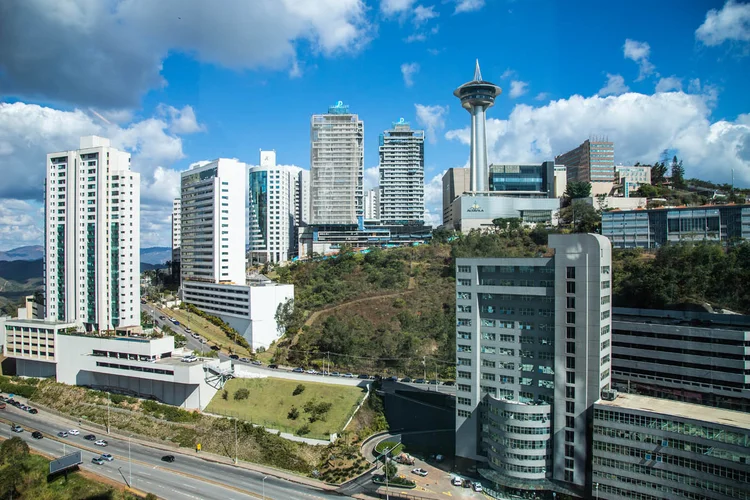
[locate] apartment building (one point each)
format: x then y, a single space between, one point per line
456 181
372 205
533 355
336 167
176 228
213 222
593 161
401 175
92 237
654 449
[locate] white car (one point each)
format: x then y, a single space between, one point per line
311 372
107 457
457 481
100 442
477 486
419 472
73 432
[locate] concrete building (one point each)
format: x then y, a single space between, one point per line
478 211
616 202
695 357
631 178
533 355
526 181
136 366
456 181
92 237
372 204
593 161
213 222
401 175
31 309
656 227
250 309
561 180
476 97
651 449
276 195
336 167
176 229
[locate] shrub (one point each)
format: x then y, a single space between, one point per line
293 413
241 394
298 390
305 429
224 395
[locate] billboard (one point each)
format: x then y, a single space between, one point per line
67 462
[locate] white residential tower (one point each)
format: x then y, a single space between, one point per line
401 173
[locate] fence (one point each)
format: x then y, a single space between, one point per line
284 430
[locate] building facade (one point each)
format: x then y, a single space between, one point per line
372 204
456 181
651 449
471 211
593 161
213 222
561 180
176 228
632 177
401 175
533 355
92 237
695 357
656 227
276 194
336 167
532 181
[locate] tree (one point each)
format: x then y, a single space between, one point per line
298 390
289 319
581 217
576 190
293 413
658 171
647 191
14 450
241 394
678 173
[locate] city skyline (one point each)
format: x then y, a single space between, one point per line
180 102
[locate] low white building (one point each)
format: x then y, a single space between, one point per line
136 366
250 309
616 202
471 211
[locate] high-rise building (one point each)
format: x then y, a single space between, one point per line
401 173
533 356
456 181
476 96
276 195
213 222
176 229
593 161
561 180
92 237
372 204
336 167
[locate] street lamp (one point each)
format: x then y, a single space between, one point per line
130 463
263 482
596 486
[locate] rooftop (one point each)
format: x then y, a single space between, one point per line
688 318
39 322
679 409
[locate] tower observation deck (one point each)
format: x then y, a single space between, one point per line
476 96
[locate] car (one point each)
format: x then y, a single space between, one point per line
434 382
37 435
255 362
100 442
25 407
298 370
420 381
334 374
189 359
348 375
167 458
188 330
107 457
467 483
16 428
163 318
449 382
97 461
2 406
89 437
74 432
364 376
234 356
62 434
311 372
406 380
477 486
419 472
457 481
33 411
392 378
273 367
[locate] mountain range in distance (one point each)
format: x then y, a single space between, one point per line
154 256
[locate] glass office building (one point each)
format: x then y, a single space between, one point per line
524 180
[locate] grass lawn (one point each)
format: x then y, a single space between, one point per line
271 399
206 329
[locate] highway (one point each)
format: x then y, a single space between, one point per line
188 477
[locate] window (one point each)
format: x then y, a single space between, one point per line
568 475
570 317
488 350
605 269
569 436
571 273
605 330
571 332
570 392
570 421
464 388
570 407
464 335
464 413
488 376
605 360
464 282
569 451
488 364
606 285
464 269
464 401
605 314
570 363
464 362
605 344
463 348
605 300
570 377
571 287
464 322
488 336
464 375
570 348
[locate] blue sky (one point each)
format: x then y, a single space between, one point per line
178 81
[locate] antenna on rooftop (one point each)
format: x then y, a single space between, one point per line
477 73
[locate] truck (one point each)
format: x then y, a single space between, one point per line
405 458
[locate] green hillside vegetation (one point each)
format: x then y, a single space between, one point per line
393 311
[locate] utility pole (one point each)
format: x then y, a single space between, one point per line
263 482
108 400
424 365
236 441
437 382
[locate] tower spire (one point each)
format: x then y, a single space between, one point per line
477 73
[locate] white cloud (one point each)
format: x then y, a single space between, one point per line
415 37
639 52
433 200
432 118
542 96
108 54
508 73
372 177
637 125
517 89
468 5
408 70
615 86
731 23
391 7
20 223
669 83
423 14
35 130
